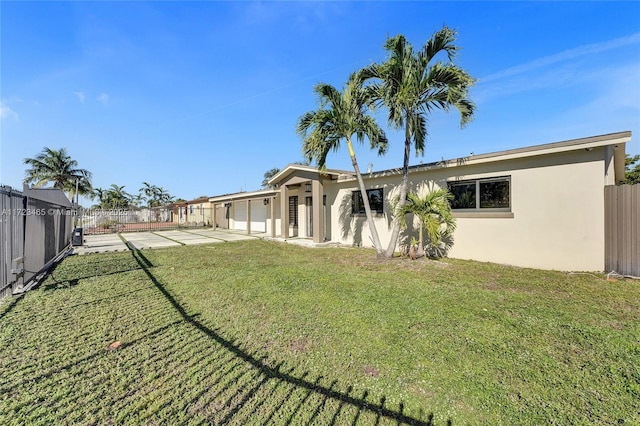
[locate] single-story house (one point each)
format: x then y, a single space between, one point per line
541 206
192 212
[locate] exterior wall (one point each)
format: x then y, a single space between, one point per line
222 221
558 216
557 206
238 216
260 216
353 229
199 213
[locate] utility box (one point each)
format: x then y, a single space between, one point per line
77 238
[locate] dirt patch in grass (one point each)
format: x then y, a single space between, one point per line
370 371
300 345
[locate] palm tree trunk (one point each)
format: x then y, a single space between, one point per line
365 200
404 186
420 252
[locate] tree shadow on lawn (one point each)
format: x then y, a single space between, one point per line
63 277
263 375
7 304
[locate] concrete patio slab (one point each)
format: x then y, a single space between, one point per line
146 240
100 243
160 239
188 238
226 235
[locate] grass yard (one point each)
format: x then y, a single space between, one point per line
265 333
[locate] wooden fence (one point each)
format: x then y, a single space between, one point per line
622 229
35 227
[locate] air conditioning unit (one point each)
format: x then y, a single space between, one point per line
77 238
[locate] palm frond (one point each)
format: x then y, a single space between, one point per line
57 167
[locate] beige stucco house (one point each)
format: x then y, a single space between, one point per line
194 212
540 206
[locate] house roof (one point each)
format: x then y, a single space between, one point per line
198 200
616 139
245 195
292 168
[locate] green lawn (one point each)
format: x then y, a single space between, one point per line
266 333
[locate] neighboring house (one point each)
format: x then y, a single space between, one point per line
540 206
196 212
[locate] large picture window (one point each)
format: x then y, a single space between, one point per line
481 194
376 201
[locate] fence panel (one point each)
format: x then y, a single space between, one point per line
104 221
12 224
48 229
622 229
35 227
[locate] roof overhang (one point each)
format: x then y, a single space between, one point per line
243 196
617 140
295 173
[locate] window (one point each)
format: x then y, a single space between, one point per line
376 201
293 210
482 194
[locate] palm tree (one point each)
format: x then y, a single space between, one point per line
163 196
434 214
411 86
340 116
101 195
55 166
117 197
155 196
149 192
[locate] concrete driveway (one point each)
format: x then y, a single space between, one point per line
159 239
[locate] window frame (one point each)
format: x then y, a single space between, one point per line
356 198
478 199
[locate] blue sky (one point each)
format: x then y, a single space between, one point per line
202 98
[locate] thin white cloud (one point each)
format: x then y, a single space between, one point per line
80 96
554 71
103 98
7 113
616 102
577 52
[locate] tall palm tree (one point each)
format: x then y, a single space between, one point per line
340 116
433 211
411 85
57 167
